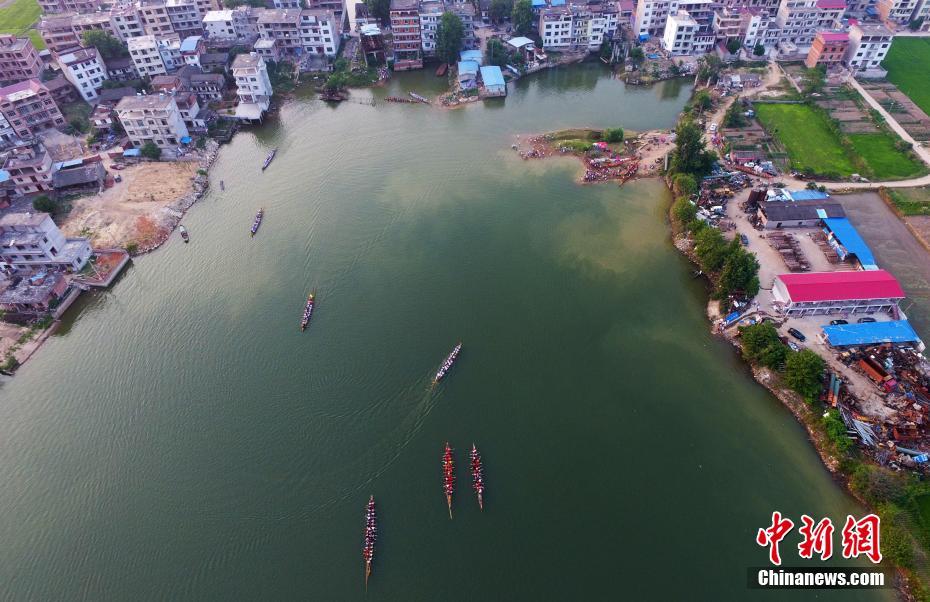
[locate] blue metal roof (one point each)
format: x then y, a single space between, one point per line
4 175
537 3
468 67
846 335
807 195
558 2
132 152
471 55
492 76
847 236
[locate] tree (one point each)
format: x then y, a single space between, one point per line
710 65
803 373
449 37
44 204
836 430
684 211
814 79
758 49
613 135
689 155
637 55
500 10
702 100
734 117
497 53
150 150
915 24
108 46
684 184
761 344
380 9
740 272
336 81
522 17
733 45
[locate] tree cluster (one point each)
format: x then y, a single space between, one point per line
762 345
500 10
107 45
613 135
380 9
522 17
690 156
449 35
150 150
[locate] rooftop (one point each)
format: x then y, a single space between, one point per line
28 218
519 42
870 333
218 15
20 90
404 4
76 176
78 56
841 286
832 4
246 61
31 291
279 15
492 76
148 101
190 43
778 211
848 236
834 36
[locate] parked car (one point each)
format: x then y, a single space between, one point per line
838 322
713 128
744 239
797 334
865 320
793 346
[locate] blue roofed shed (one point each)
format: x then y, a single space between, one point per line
471 55
538 3
493 80
871 333
807 195
468 74
846 240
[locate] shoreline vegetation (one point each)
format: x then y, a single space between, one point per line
900 498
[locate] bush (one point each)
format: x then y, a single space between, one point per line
684 211
836 430
876 484
758 50
804 373
44 204
150 150
761 344
613 135
684 184
132 247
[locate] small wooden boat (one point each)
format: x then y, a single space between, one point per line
308 311
418 98
222 185
258 221
447 363
371 535
441 70
269 158
184 235
448 477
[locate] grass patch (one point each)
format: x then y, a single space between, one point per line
908 63
19 17
911 201
881 154
812 144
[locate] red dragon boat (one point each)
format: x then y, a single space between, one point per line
476 475
448 477
371 534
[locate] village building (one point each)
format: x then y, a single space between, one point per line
18 59
430 14
57 33
35 295
61 90
154 18
282 25
868 46
101 119
121 69
185 17
253 86
152 118
844 292
81 24
30 168
146 56
28 106
33 241
214 62
829 49
492 80
69 6
78 176
208 87
191 49
219 25
320 32
336 7
896 12
405 24
267 49
126 22
85 69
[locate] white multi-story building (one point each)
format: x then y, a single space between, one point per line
186 19
742 23
430 15
282 25
680 30
219 25
253 86
90 22
169 47
652 17
800 20
897 11
465 11
868 46
577 27
152 118
32 240
30 168
86 71
320 32
145 56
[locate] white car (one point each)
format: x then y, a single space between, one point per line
713 128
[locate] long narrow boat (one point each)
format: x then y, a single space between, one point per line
447 364
258 221
371 535
476 475
448 477
184 235
308 310
269 158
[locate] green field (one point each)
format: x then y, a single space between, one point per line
912 201
19 17
814 146
879 153
908 63
807 137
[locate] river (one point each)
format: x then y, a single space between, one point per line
180 439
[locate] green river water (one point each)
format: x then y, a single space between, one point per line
180 439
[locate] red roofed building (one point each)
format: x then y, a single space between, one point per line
828 48
836 292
